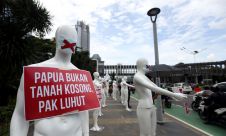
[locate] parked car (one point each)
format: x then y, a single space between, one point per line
181 88
221 86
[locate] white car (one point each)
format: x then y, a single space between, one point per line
181 88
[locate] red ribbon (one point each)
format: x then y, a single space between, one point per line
68 45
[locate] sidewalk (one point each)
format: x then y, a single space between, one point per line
119 122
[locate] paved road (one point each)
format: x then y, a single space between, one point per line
119 122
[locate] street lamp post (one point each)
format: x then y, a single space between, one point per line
153 16
194 53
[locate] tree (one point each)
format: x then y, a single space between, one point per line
18 20
82 61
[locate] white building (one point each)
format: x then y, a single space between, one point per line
83 36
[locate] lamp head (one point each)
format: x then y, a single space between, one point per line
153 12
196 52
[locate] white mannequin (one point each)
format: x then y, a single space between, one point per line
65 125
115 90
98 88
124 92
146 111
101 80
104 94
107 79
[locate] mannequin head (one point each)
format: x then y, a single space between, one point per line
124 78
116 78
101 79
142 65
66 39
107 77
96 75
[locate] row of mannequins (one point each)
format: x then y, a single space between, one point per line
102 90
101 86
124 92
77 124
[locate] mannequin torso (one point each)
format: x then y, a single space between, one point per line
98 87
67 125
145 95
73 124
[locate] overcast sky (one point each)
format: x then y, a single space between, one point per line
121 31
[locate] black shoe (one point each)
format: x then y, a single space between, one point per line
129 106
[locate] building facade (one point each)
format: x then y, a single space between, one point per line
83 36
190 72
99 64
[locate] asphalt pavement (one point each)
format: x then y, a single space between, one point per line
119 122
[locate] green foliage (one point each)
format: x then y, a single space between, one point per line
35 50
82 61
5 117
23 17
18 19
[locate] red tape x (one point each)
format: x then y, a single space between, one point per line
68 45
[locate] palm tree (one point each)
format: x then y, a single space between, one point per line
18 20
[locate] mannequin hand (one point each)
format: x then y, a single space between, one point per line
180 96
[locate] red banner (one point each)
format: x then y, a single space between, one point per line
51 91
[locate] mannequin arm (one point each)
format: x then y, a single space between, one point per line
129 85
142 80
19 126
